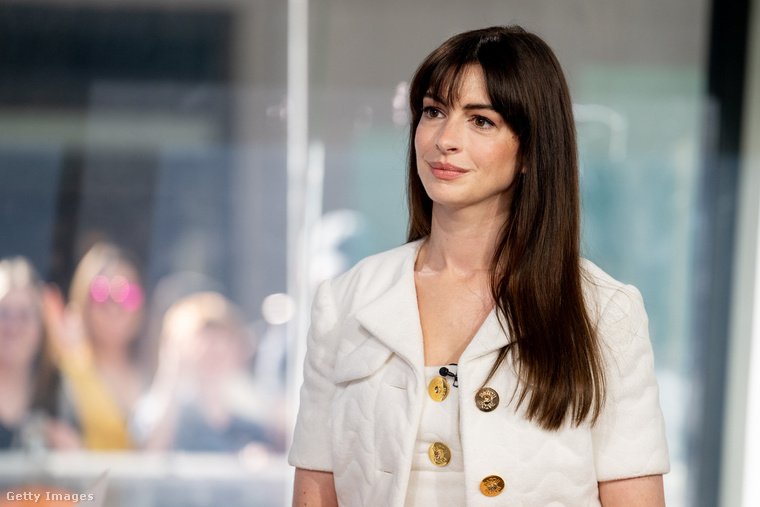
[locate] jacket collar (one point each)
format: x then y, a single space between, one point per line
489 338
393 318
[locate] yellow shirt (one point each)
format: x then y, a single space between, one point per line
101 418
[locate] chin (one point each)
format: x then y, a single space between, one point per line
448 199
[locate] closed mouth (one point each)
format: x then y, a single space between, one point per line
446 171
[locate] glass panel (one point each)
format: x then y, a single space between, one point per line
158 127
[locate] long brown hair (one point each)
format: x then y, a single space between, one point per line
536 279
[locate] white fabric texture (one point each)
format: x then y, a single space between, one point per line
364 383
430 484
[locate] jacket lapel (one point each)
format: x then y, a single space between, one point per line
489 338
393 317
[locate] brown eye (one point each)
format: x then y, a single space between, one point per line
481 122
431 112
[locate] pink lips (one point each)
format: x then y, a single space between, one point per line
445 171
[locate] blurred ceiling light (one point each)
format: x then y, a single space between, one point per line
400 117
278 308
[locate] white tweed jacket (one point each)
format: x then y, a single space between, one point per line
364 382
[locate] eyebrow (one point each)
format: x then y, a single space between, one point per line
466 107
469 107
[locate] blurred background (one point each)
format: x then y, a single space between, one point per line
176 177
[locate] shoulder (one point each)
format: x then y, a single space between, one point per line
385 264
608 297
629 436
597 283
373 275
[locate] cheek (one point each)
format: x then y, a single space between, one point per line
502 157
423 139
113 323
29 341
424 142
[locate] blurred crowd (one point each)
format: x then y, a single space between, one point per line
84 370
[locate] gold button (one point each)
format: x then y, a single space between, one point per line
487 399
492 485
439 453
438 389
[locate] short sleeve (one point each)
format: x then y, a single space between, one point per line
629 436
311 441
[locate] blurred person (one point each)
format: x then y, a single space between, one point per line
28 379
202 398
167 291
96 339
484 362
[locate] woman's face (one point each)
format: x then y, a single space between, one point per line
20 327
466 152
217 351
115 306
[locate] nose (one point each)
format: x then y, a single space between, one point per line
449 138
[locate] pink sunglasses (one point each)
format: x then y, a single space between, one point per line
128 295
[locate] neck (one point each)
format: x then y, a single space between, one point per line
462 240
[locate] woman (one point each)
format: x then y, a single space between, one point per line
194 402
484 362
28 378
96 341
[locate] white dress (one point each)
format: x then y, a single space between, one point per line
430 484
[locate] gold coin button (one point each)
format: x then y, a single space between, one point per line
439 453
492 485
438 389
486 399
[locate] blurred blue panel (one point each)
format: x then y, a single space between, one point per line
28 195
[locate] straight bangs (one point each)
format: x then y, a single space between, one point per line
446 83
504 85
441 80
440 76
